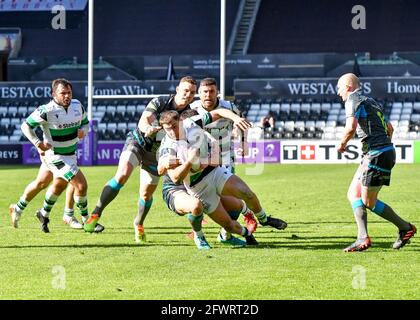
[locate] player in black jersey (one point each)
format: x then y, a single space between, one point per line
365 116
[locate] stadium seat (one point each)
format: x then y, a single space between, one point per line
131 108
285 108
275 107
320 124
131 125
416 107
102 127
331 123
15 138
122 126
405 117
111 127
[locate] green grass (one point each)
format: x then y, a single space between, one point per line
305 261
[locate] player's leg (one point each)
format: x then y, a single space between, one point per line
378 174
42 180
68 216
360 215
222 218
148 185
235 208
51 196
185 204
128 161
236 187
64 169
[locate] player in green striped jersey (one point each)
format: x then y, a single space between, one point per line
64 122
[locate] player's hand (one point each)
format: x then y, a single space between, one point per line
81 134
42 147
193 154
170 162
341 148
150 130
242 124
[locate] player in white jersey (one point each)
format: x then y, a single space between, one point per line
222 130
179 201
204 179
64 122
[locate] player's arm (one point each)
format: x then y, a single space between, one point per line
166 163
148 117
84 125
35 119
145 123
167 159
349 131
178 174
242 136
389 129
238 122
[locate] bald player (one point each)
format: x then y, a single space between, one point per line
366 116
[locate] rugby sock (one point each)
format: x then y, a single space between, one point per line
196 223
143 210
68 212
109 192
82 204
234 214
360 215
386 212
261 216
244 209
49 201
21 205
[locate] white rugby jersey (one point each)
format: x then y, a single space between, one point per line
60 125
221 129
192 135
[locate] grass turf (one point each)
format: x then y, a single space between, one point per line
305 261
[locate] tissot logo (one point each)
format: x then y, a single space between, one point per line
307 152
290 152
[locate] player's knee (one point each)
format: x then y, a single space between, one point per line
351 197
146 195
196 207
369 203
80 187
41 185
122 175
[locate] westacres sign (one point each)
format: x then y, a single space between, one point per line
324 88
310 151
41 90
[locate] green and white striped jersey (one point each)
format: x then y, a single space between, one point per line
60 125
221 129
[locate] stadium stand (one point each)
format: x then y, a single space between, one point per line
298 118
